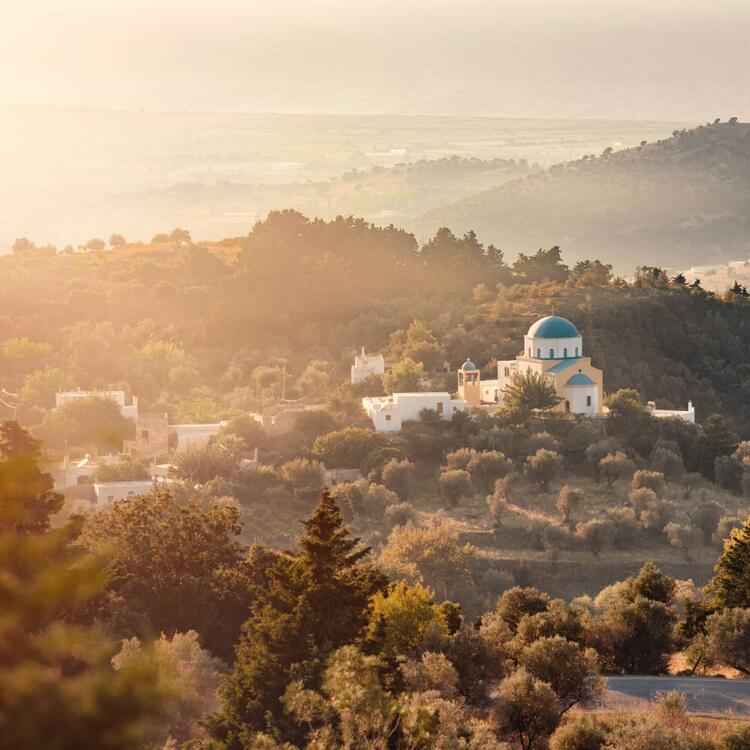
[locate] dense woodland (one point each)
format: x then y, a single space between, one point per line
467 592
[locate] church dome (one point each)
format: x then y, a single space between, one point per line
468 365
553 327
580 379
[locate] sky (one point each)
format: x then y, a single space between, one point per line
630 59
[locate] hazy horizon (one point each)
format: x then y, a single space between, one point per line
542 59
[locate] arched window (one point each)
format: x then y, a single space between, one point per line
576 351
567 406
538 353
551 353
565 353
529 351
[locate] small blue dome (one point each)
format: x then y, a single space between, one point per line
468 365
580 379
553 327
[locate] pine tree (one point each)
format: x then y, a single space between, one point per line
57 686
730 586
27 499
315 602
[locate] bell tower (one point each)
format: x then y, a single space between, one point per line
469 383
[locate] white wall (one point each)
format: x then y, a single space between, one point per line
540 348
577 395
193 434
366 365
401 407
110 492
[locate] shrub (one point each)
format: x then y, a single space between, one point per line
725 526
729 473
596 535
303 475
374 462
347 448
399 515
656 516
543 467
527 709
399 476
706 518
582 732
737 739
669 463
568 499
625 527
615 466
486 467
641 499
459 459
517 602
539 440
455 484
571 671
377 499
683 537
127 469
555 537
652 480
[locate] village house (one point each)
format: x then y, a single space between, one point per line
367 365
130 411
552 348
388 413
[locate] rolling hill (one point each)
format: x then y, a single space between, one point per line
680 201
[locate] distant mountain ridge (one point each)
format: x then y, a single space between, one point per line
679 201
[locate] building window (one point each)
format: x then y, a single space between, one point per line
576 351
538 353
567 406
565 353
440 407
588 400
387 417
529 351
551 353
507 372
144 434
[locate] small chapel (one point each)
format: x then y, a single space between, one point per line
552 347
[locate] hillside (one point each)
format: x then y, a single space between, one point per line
680 201
383 194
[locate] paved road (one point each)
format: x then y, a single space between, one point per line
705 695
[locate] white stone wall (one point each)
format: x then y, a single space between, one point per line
194 434
366 365
582 399
388 413
552 348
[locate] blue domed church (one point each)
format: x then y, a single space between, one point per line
553 347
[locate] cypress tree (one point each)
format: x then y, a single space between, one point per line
730 586
315 602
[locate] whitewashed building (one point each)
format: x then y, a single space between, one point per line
109 492
388 413
127 410
686 415
366 365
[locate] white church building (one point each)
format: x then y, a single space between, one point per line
552 349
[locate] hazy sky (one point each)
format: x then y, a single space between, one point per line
670 59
